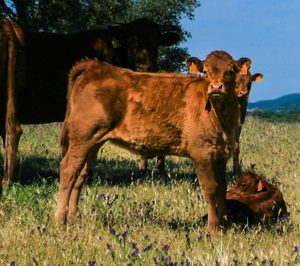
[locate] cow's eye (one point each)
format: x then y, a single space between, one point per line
243 186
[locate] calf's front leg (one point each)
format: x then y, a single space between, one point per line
211 173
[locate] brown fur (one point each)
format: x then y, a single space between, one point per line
11 43
46 60
244 81
256 193
152 114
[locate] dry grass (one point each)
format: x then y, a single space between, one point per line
124 221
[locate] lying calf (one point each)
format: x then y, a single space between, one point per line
254 200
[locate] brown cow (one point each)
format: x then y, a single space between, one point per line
50 56
11 43
244 81
254 192
152 114
243 86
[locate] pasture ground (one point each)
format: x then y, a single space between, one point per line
126 221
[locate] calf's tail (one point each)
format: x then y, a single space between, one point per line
64 140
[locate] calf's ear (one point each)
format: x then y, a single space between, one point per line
260 186
195 65
257 77
244 65
169 38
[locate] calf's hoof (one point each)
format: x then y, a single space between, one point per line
61 217
215 230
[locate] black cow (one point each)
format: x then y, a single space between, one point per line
49 56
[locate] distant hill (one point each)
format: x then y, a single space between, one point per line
286 103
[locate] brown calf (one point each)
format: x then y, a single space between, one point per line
254 200
152 114
243 81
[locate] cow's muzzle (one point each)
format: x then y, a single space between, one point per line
216 89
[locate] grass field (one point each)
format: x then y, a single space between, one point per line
126 221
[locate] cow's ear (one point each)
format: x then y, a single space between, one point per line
257 77
169 38
195 65
244 65
260 186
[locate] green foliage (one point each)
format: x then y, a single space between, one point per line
277 117
125 221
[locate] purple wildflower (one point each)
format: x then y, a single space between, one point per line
112 231
271 262
133 244
146 249
135 252
91 263
34 261
124 235
166 248
101 196
235 261
199 237
188 240
296 247
13 263
109 246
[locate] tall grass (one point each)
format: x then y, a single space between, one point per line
128 221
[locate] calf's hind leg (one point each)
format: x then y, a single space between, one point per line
70 166
75 193
75 163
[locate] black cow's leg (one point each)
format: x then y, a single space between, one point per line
160 163
143 166
12 138
13 128
236 154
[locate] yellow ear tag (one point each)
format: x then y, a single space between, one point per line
260 186
193 68
116 43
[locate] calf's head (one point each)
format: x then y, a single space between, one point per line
241 68
244 78
247 184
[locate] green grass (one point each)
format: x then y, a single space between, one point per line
128 221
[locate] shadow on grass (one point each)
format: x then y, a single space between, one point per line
122 172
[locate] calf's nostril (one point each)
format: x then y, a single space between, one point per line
216 86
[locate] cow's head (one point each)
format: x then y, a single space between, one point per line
241 68
142 38
219 70
244 78
247 184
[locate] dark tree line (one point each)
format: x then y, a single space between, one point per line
76 15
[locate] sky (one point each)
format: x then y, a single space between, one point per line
266 31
